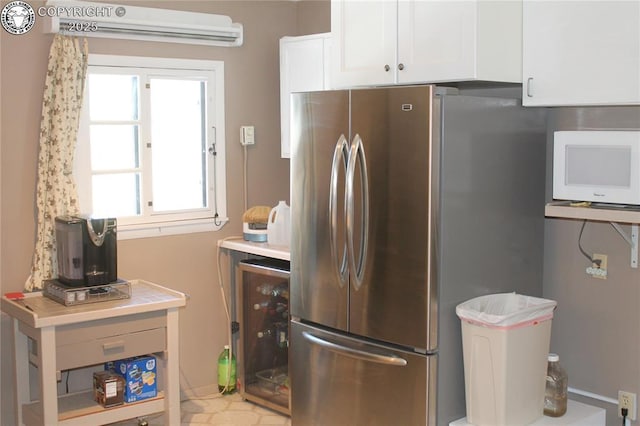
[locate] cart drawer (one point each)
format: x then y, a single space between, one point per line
99 350
107 327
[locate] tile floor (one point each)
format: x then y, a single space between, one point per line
229 410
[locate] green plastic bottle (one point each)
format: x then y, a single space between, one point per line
226 375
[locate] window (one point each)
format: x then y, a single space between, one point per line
151 145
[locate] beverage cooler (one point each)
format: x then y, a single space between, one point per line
263 348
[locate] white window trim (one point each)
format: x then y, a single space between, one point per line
182 226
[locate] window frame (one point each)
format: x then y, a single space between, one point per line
149 223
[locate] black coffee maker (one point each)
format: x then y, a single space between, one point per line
87 251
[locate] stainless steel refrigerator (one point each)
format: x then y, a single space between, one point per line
405 202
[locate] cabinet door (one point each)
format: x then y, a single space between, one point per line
364 42
581 52
303 68
436 41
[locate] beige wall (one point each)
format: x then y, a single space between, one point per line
596 327
186 263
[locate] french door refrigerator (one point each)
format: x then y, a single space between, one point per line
405 202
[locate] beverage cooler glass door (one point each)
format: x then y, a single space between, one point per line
263 366
347 381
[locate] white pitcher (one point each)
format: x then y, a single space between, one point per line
279 225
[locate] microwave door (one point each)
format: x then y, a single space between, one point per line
597 166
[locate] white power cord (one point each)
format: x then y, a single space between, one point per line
220 281
244 177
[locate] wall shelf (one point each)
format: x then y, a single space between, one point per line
563 209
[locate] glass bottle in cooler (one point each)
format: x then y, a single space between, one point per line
273 344
275 309
268 289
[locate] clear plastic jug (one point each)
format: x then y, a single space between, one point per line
279 225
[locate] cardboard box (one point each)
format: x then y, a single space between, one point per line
140 377
108 388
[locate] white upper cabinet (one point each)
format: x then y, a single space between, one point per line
581 53
417 41
364 42
304 63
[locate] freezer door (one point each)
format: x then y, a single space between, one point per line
337 380
393 279
319 148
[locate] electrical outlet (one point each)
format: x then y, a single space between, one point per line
600 261
598 268
627 400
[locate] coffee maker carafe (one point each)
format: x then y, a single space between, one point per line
87 251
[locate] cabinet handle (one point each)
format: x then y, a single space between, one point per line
400 67
387 67
529 81
110 346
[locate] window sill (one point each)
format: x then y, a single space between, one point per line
162 229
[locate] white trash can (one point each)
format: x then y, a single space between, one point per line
505 341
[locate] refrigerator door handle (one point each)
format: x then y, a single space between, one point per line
357 154
340 154
341 349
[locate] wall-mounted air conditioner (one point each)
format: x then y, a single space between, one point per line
89 19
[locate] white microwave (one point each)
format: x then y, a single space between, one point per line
601 166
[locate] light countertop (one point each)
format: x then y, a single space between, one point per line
260 249
38 311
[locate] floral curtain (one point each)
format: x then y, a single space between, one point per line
56 190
